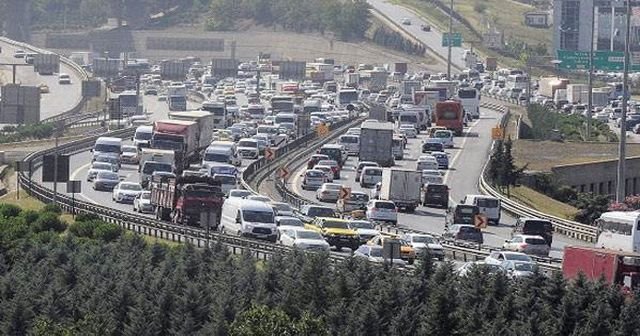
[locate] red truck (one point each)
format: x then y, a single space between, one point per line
620 268
182 200
449 114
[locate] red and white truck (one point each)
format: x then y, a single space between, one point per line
181 136
617 267
185 200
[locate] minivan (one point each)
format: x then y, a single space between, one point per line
362 165
248 218
334 152
351 143
487 205
534 227
436 194
142 137
370 176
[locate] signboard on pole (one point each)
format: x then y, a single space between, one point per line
20 104
292 70
49 168
224 67
74 187
91 88
455 40
46 64
602 60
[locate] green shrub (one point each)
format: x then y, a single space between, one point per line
107 232
49 221
82 228
86 217
52 208
9 210
479 7
30 216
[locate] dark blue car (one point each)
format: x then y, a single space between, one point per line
442 158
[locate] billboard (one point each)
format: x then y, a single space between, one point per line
185 43
292 70
224 67
106 67
46 64
49 173
20 104
174 70
91 88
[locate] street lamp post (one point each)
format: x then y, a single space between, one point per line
621 178
449 45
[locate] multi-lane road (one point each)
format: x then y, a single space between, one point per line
61 98
432 39
466 162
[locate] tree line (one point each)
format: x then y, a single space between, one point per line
347 19
84 282
391 39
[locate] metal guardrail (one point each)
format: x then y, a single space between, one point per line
566 227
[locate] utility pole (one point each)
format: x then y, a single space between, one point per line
621 178
450 40
590 80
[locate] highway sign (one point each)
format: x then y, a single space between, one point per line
91 88
49 168
20 104
497 133
345 193
480 221
74 186
269 153
283 172
456 39
602 60
322 129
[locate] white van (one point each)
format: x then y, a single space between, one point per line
142 137
215 154
351 143
370 176
487 205
107 146
248 218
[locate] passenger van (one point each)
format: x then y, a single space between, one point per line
370 176
248 218
227 182
487 205
220 154
334 152
107 146
351 143
142 136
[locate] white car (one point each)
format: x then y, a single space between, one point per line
519 269
328 172
238 193
126 191
282 209
445 137
528 244
427 162
373 253
142 203
64 78
259 198
425 242
287 221
303 239
382 211
328 192
97 167
408 130
406 21
499 257
432 176
129 154
365 229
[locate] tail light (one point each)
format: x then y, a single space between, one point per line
523 245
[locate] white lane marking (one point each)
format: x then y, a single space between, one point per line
455 157
73 177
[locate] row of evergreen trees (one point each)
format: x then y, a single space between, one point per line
347 19
396 41
52 284
502 171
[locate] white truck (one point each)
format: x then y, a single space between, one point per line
219 112
577 93
177 97
205 121
403 187
351 79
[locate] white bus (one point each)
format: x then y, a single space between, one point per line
219 111
517 82
618 230
470 99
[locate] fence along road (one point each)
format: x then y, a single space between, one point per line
61 98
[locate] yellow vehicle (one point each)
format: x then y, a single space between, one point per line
407 252
336 232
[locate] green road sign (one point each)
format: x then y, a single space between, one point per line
602 60
456 39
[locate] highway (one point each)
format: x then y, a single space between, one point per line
432 39
61 98
466 161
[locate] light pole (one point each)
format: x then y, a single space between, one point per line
590 79
450 40
621 178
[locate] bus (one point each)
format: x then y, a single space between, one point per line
449 114
256 111
470 99
219 111
517 82
282 104
346 96
618 230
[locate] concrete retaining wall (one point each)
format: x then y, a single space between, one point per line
599 177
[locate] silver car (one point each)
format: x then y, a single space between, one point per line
328 192
142 203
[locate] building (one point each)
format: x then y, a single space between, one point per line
572 25
536 19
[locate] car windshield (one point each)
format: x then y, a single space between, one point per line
130 186
349 139
214 157
321 212
143 135
362 225
358 197
373 172
335 224
129 150
101 166
487 203
375 252
281 206
535 241
435 188
469 229
517 257
253 144
309 235
258 216
332 186
315 174
225 179
537 226
424 239
239 193
523 267
108 176
150 167
442 135
385 205
291 222
104 148
145 195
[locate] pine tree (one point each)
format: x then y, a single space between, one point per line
628 323
439 317
496 164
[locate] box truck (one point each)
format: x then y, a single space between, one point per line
402 187
376 143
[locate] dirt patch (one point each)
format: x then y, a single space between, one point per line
542 155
